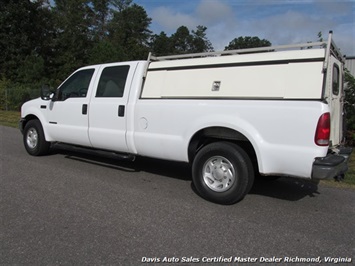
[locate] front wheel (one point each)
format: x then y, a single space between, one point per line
34 140
222 172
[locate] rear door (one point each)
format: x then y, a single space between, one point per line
108 106
335 98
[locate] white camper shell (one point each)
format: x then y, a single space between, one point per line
309 71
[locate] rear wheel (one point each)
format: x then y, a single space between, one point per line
34 140
222 172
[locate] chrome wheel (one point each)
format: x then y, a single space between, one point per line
222 172
32 138
218 174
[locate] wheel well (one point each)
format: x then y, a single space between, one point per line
28 118
214 134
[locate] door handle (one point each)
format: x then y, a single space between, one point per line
121 109
84 109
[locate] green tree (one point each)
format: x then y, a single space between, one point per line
161 44
181 42
4 86
349 104
349 108
129 32
247 42
100 16
120 5
200 42
105 51
73 44
32 70
26 35
25 28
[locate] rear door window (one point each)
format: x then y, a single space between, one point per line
112 81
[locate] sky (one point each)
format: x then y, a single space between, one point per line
279 21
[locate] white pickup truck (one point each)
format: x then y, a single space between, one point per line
231 115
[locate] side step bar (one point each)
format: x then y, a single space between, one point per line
92 151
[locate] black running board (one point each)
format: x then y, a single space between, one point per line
83 149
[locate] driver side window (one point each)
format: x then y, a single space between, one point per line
76 86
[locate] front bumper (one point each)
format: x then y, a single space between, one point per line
332 165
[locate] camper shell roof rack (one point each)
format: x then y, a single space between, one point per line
329 45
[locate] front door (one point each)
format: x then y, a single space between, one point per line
68 113
108 106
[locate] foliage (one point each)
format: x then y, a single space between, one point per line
200 42
43 41
13 95
349 106
181 42
161 44
100 12
4 82
349 103
247 42
131 35
106 52
72 43
24 27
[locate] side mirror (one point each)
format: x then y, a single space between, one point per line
46 93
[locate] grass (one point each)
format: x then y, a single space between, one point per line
351 173
11 118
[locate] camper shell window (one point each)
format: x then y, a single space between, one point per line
336 79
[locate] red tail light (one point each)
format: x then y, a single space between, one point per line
321 138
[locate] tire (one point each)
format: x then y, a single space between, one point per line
222 172
34 140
